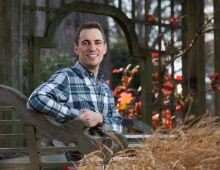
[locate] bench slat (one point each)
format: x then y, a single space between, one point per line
14 150
57 149
137 136
13 136
135 144
10 122
15 165
6 108
58 165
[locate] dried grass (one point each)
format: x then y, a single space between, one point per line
187 147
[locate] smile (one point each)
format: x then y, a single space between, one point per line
92 55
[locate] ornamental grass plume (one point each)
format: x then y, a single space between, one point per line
194 146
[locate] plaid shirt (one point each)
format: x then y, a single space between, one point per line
72 89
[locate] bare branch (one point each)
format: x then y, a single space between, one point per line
206 28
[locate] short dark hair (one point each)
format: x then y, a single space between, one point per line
89 25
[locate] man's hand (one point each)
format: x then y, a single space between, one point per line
93 118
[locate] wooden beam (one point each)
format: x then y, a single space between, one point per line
217 57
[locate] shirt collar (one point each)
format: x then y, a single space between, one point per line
86 72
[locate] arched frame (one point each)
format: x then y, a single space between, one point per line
126 25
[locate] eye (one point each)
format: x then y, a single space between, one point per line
85 43
98 42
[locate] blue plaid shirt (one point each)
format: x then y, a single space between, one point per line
72 89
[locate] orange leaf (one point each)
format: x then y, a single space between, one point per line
122 107
167 77
163 121
117 89
167 88
156 74
125 98
155 117
126 81
134 70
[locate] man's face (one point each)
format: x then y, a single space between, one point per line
91 48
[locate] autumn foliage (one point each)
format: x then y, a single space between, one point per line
127 99
169 104
128 102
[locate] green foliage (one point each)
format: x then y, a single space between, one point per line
120 59
50 64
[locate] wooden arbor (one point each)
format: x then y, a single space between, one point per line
48 41
193 69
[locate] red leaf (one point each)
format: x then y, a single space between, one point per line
214 77
217 86
115 71
174 20
178 107
151 18
139 105
66 168
170 125
178 77
167 88
160 35
154 54
168 112
130 116
107 81
214 84
167 77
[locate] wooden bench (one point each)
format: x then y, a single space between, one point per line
38 125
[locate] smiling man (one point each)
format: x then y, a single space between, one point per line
80 91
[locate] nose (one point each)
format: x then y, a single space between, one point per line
92 46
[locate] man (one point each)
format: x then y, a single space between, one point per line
80 91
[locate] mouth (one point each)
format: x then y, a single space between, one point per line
92 55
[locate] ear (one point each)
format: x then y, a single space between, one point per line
76 49
105 48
